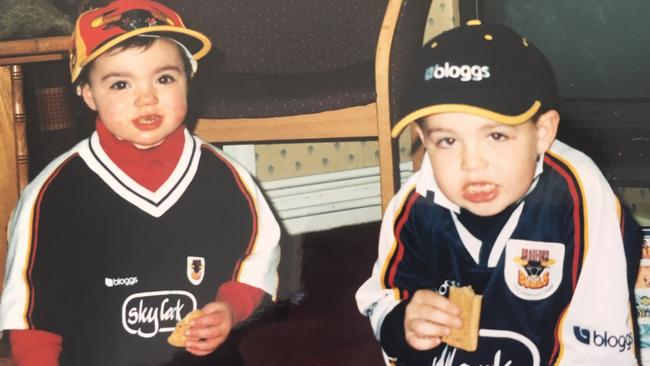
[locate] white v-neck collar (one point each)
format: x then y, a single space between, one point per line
154 203
473 245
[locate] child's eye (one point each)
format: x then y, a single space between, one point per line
497 136
445 142
119 85
166 79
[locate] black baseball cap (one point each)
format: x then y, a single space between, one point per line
482 69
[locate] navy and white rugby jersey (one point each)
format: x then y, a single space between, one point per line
112 267
556 283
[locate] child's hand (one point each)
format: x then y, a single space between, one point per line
428 317
210 330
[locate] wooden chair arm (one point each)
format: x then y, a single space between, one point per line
34 50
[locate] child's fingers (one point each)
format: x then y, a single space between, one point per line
433 315
203 347
425 328
208 332
434 309
435 300
201 341
208 320
422 343
432 320
214 314
214 307
424 335
429 316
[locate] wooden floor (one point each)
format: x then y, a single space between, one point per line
326 329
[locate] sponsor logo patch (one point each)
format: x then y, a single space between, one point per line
195 269
496 347
120 281
533 270
603 339
464 73
149 313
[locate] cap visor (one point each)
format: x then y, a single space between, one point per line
464 108
197 43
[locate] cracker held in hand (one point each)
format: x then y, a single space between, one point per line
465 337
177 338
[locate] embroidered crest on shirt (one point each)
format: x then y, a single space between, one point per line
195 269
533 269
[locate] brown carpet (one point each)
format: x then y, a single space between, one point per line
325 328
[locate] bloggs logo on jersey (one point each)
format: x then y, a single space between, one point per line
149 313
120 281
603 339
463 72
533 270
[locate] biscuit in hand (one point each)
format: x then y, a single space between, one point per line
465 337
177 338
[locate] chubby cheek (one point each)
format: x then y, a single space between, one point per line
114 116
176 105
452 189
448 178
113 108
516 182
178 113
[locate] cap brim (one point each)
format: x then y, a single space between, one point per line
197 43
464 108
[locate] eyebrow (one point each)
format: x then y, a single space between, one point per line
126 74
437 129
487 127
168 68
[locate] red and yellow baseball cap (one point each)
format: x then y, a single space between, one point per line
98 30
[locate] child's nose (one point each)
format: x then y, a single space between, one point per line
473 158
146 96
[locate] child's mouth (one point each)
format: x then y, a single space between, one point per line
480 192
148 122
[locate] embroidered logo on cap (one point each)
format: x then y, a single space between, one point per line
463 72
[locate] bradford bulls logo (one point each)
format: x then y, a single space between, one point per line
132 19
534 263
533 269
195 269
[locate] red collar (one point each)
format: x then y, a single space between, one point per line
149 167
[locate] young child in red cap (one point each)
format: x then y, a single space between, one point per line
500 205
121 237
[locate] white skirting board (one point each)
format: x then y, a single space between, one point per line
327 201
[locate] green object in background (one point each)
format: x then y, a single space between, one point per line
21 19
598 48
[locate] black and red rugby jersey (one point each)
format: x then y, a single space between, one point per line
111 266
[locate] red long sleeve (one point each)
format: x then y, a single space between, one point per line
243 298
32 347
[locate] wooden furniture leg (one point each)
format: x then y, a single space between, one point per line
20 126
9 186
8 162
13 148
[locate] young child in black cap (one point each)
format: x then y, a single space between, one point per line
499 205
140 224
